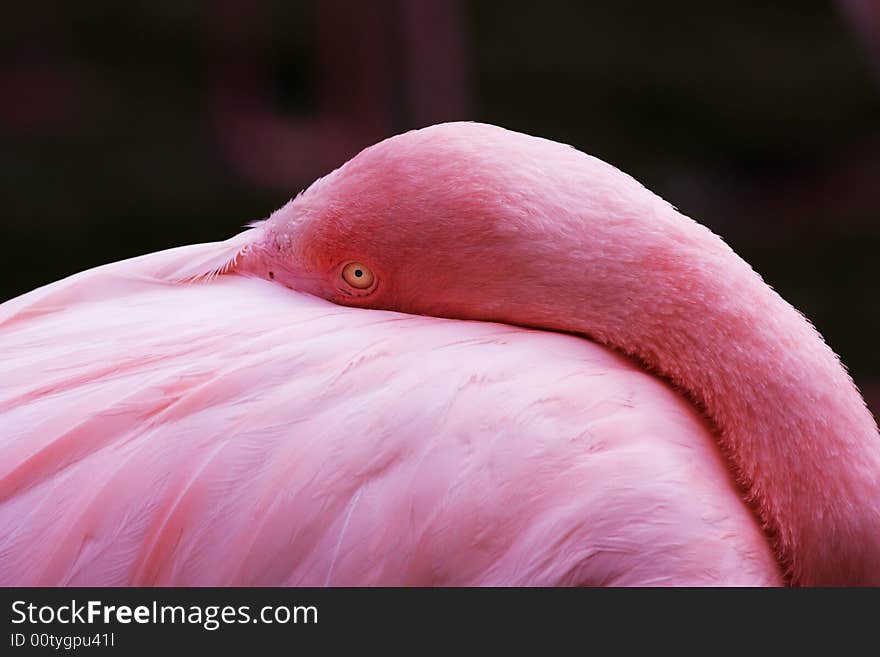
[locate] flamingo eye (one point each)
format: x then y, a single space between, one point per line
358 275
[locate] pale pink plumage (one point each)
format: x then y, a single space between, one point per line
188 418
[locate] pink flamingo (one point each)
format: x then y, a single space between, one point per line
190 417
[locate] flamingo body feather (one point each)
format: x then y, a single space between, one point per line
237 432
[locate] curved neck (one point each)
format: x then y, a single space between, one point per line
789 418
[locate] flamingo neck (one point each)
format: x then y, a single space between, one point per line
795 429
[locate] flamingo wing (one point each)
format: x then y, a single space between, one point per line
233 431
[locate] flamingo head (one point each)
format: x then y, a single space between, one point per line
470 221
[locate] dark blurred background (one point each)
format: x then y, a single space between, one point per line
137 126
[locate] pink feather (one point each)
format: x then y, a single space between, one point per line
192 417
